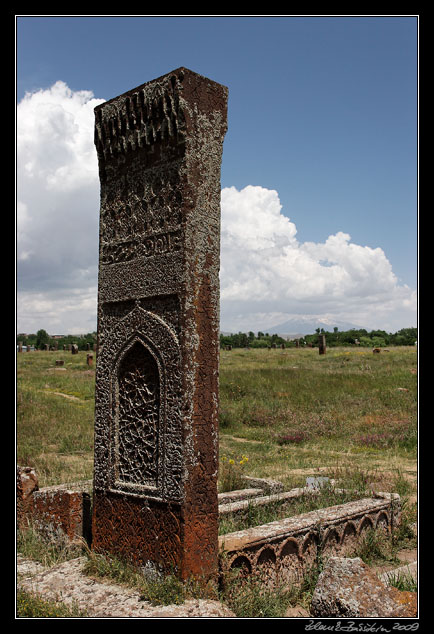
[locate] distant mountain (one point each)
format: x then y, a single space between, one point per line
308 326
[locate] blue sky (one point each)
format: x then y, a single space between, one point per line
322 128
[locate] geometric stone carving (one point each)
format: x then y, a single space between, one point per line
159 152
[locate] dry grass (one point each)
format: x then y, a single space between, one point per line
292 412
55 411
295 413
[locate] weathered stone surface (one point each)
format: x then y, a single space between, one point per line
66 583
284 550
28 567
348 588
59 513
242 503
27 482
407 571
159 150
266 484
238 495
297 612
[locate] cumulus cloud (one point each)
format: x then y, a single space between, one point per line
57 211
53 141
266 274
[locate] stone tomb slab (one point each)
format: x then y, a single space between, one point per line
285 549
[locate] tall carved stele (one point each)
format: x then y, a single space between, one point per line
156 403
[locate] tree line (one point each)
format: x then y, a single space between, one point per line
374 338
354 337
42 338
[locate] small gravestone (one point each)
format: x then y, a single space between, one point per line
74 348
60 362
316 482
322 344
89 359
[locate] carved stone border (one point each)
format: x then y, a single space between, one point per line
161 341
285 549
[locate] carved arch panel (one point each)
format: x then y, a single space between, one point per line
138 421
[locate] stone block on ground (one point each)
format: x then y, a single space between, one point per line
27 482
348 588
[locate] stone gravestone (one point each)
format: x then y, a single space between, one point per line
159 151
322 344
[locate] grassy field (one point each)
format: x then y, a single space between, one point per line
295 413
284 414
55 411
